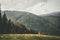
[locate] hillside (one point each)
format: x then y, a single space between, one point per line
48 24
9 27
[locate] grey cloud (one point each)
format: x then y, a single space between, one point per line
19 4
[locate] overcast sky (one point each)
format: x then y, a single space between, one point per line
53 5
35 6
19 4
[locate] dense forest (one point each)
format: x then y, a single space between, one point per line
9 27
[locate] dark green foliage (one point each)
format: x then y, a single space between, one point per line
0 21
8 27
4 18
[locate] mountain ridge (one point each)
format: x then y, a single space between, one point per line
45 24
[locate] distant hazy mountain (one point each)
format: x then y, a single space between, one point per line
48 24
53 22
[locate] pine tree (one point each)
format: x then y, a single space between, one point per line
9 26
4 18
4 23
0 11
0 20
0 14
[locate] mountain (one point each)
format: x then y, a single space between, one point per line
46 24
25 18
53 22
9 27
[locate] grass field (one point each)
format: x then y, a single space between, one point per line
27 37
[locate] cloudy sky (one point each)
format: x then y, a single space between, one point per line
35 6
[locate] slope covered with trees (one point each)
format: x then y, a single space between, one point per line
8 27
47 24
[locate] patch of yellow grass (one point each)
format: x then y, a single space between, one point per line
27 36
